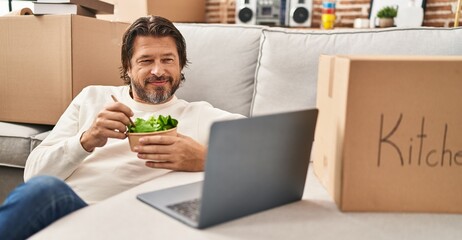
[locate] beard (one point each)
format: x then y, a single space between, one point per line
159 94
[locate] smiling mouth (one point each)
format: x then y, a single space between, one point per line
158 83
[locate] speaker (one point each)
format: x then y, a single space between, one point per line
246 12
300 13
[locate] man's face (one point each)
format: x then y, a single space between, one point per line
154 69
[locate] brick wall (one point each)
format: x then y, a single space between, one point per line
220 11
439 13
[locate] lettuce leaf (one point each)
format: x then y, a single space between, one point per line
153 124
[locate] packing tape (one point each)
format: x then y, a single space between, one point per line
22 11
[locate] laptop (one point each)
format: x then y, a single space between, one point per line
253 164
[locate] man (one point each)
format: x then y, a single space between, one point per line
88 148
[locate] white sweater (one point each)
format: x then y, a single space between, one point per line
113 168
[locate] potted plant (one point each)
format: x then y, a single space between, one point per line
386 16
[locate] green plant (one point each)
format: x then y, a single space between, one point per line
387 12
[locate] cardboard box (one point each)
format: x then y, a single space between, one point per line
178 10
192 11
389 133
46 61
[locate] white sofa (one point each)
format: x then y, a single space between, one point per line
256 70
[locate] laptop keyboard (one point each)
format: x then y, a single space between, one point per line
189 209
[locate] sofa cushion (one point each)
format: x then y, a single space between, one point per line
35 140
15 142
223 59
289 58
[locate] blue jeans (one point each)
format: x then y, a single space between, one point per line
36 204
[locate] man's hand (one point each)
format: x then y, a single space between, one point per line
179 153
111 122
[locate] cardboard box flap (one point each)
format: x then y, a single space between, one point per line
331 122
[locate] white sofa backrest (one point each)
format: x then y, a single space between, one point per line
223 59
287 71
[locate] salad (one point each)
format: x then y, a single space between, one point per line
153 124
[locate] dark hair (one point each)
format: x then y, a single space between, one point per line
150 26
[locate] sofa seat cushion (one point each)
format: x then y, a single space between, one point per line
223 59
17 140
289 58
